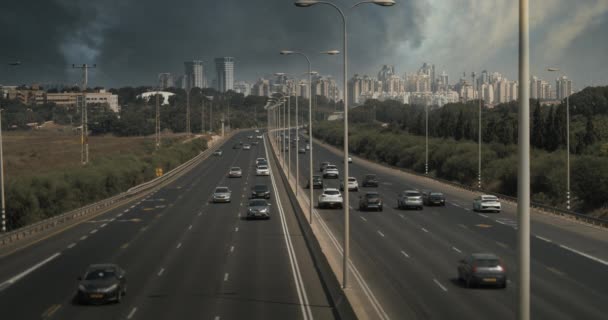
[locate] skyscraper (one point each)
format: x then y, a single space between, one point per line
194 75
563 87
224 68
165 80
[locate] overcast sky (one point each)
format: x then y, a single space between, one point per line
131 41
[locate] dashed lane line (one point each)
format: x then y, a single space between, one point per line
440 285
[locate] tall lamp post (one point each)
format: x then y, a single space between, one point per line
562 76
308 3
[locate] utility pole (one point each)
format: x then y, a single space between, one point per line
2 176
157 125
188 112
202 114
84 139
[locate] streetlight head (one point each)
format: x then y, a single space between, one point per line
286 52
278 74
331 52
305 3
384 3
552 69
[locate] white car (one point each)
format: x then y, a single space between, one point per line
331 171
262 170
235 172
260 136
246 147
350 159
352 183
307 146
486 202
330 198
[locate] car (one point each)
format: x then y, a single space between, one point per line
249 137
486 202
222 194
430 198
330 198
257 131
350 159
323 165
331 171
241 142
370 200
301 150
260 191
236 146
254 143
260 137
410 199
353 185
258 209
262 170
246 146
482 269
218 153
259 161
307 146
317 182
370 180
102 283
235 172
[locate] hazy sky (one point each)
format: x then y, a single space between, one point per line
131 41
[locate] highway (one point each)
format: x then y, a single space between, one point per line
186 258
409 258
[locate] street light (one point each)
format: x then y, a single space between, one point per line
308 3
567 138
280 74
3 204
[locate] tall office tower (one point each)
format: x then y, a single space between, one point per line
165 80
563 87
194 76
224 69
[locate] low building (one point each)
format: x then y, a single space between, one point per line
69 99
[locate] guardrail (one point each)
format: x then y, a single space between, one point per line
539 206
28 231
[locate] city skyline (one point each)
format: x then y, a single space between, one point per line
564 34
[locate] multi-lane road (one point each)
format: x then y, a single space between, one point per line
409 258
186 258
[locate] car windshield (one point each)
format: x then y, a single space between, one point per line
262 167
235 169
352 180
370 176
488 200
332 192
330 167
412 194
436 195
100 274
221 190
260 188
372 195
487 263
258 203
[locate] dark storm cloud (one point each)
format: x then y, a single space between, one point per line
132 41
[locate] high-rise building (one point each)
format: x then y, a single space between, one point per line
563 87
242 87
194 74
261 88
165 80
224 68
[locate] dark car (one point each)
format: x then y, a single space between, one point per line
236 146
258 209
323 165
482 269
218 153
317 182
102 283
370 200
301 150
260 191
433 199
370 180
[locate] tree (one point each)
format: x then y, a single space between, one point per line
538 130
590 136
459 127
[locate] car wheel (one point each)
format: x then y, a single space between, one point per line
468 282
504 284
380 209
119 297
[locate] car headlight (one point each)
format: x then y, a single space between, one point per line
110 288
265 210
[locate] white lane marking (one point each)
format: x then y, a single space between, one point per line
72 245
557 272
226 275
295 268
236 229
103 225
83 237
363 218
440 285
544 239
456 249
462 226
457 205
161 271
93 231
231 249
190 227
584 255
216 318
33 268
402 216
131 207
119 215
132 313
179 245
425 230
502 244
126 210
381 234
112 220
482 215
405 254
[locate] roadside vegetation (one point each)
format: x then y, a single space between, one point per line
392 133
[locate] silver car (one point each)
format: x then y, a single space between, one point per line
258 209
222 194
482 269
410 199
486 202
235 172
